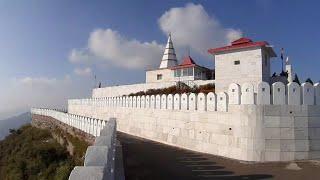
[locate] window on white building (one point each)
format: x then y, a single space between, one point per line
185 72
236 62
190 71
177 73
159 76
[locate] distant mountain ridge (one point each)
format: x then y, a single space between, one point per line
13 123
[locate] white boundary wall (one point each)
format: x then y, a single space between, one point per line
279 94
245 132
274 123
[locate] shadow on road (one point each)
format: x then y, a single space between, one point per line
148 160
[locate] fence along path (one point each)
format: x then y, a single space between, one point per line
99 163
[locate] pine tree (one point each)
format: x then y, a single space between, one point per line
296 79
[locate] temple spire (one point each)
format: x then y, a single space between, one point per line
169 58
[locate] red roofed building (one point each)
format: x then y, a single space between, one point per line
242 61
241 44
188 70
170 71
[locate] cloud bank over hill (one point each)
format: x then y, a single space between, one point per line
23 93
191 26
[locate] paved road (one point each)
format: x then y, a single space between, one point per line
148 160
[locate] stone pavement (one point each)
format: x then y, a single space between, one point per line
148 160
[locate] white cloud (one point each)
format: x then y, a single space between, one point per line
38 81
192 26
80 56
111 48
20 94
83 72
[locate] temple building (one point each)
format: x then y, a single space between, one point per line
242 61
170 71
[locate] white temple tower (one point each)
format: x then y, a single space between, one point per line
169 58
289 71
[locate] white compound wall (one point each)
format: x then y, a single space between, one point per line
246 132
250 131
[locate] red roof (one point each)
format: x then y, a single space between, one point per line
239 44
186 62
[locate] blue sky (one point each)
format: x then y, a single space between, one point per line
38 39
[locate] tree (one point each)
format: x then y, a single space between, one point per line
296 79
309 81
284 73
12 131
274 74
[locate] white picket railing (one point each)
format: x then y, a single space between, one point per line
99 158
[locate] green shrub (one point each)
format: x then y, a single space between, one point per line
180 88
34 154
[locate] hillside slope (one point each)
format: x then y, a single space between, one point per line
32 153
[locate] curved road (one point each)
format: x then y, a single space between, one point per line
148 160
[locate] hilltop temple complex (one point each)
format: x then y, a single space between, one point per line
250 116
170 71
243 61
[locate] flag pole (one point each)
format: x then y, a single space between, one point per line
282 55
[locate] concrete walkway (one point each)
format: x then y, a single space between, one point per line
148 160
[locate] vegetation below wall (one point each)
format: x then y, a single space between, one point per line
32 153
178 89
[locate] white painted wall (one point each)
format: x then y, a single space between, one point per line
184 101
177 102
251 68
170 100
279 93
294 93
247 93
263 93
163 101
201 102
211 102
244 132
222 101
308 94
192 102
234 92
317 93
